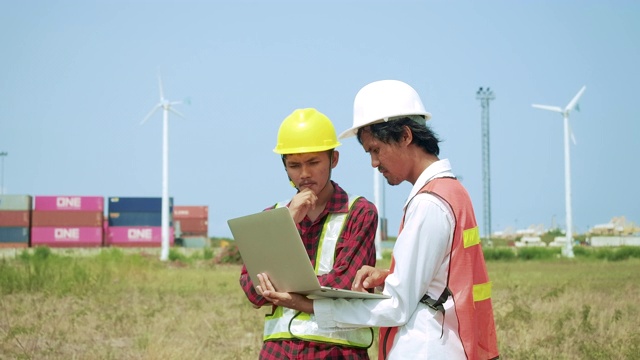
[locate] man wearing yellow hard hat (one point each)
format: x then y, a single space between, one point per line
440 294
338 230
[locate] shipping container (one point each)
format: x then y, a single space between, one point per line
66 218
136 219
67 236
13 245
137 204
15 218
193 226
15 202
136 236
83 203
194 241
16 234
190 212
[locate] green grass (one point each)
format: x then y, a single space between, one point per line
126 304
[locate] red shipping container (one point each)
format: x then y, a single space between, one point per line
190 212
67 236
14 218
79 203
189 226
136 236
13 245
67 218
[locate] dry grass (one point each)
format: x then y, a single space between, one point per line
120 306
567 309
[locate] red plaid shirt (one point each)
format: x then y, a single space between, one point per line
355 248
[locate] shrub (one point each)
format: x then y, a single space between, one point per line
498 253
229 255
175 255
207 253
537 253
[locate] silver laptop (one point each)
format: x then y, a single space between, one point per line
269 243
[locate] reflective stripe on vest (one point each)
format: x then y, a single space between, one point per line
471 237
286 323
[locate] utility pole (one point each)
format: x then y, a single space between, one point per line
3 155
486 95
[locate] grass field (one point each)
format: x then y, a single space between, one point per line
116 304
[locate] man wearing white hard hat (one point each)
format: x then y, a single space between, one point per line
440 305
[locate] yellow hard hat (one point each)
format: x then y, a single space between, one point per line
304 131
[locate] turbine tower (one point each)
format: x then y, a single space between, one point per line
166 106
568 251
485 96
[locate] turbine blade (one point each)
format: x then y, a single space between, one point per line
155 108
177 113
575 99
547 107
573 138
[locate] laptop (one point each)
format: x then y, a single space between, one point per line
269 243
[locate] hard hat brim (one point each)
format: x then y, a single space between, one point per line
353 131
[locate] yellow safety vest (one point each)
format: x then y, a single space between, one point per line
285 323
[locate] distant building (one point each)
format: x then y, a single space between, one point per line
618 226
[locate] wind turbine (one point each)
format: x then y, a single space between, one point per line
166 106
568 252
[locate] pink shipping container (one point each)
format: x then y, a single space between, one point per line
66 236
136 236
190 212
85 203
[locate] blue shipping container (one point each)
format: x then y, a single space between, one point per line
137 204
14 234
137 219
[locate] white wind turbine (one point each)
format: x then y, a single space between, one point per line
166 107
568 252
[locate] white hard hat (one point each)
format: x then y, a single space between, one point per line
381 100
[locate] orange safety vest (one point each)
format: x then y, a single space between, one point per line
468 279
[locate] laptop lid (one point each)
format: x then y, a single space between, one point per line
269 243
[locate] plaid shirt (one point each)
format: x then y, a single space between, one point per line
355 248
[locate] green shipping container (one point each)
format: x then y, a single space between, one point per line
15 202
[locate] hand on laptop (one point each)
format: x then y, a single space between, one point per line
289 300
368 277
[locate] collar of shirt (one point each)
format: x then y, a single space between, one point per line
440 168
338 203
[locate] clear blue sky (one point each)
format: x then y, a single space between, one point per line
79 76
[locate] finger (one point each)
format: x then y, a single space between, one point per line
357 282
262 285
266 283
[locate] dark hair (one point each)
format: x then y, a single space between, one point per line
284 157
391 132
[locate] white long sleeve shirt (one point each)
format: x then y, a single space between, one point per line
421 255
